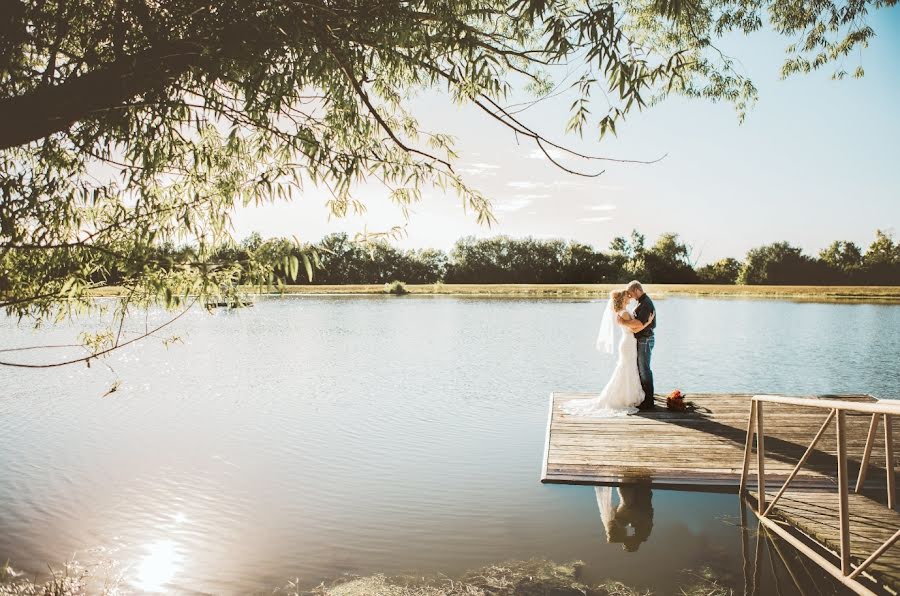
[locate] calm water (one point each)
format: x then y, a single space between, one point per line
311 437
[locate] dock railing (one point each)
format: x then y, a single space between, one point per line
881 411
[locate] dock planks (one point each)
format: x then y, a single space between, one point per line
703 449
815 513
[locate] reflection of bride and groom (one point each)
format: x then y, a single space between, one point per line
631 521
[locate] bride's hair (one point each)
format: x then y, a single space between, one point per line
618 299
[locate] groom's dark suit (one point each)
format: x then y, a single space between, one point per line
645 341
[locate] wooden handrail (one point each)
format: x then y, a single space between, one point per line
879 407
837 409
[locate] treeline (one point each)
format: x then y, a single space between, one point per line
336 259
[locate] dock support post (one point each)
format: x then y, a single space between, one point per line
760 459
864 465
889 461
843 503
748 446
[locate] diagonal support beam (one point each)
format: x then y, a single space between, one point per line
802 461
881 549
864 465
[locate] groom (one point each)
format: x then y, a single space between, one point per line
645 340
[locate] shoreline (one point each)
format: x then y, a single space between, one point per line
849 294
831 294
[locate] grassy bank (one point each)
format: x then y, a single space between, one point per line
880 294
536 577
812 293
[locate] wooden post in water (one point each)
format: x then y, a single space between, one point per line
843 504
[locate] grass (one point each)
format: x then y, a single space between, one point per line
535 577
882 294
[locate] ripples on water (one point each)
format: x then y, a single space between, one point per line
315 436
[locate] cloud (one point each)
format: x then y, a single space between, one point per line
529 184
479 169
511 205
517 202
593 219
604 207
556 154
532 196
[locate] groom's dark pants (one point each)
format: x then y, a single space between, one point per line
644 349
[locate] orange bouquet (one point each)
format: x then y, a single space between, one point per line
675 401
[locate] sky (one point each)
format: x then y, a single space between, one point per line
816 160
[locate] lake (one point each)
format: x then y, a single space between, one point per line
312 437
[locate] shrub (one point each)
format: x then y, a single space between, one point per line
397 288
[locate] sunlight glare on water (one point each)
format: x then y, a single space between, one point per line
158 566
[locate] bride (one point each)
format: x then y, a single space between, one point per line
623 392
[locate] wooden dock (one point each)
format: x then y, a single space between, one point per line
800 476
698 450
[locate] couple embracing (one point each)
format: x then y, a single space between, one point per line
631 386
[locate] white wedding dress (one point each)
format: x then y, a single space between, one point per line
623 392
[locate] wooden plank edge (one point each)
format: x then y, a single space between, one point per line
547 439
654 485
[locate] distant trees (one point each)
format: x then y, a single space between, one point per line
669 262
881 263
780 264
723 271
337 259
843 262
509 260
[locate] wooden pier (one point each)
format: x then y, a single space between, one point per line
853 532
699 450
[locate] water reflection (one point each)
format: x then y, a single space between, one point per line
631 522
158 566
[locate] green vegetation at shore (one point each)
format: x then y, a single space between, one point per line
514 578
880 294
811 293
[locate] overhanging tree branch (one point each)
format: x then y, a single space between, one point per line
45 110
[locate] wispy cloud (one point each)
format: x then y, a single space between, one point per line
604 207
529 184
517 202
511 205
556 154
593 219
478 169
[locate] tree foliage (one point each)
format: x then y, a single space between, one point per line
723 271
126 125
502 259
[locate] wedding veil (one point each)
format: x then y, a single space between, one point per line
606 337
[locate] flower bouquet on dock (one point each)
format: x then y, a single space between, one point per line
675 401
